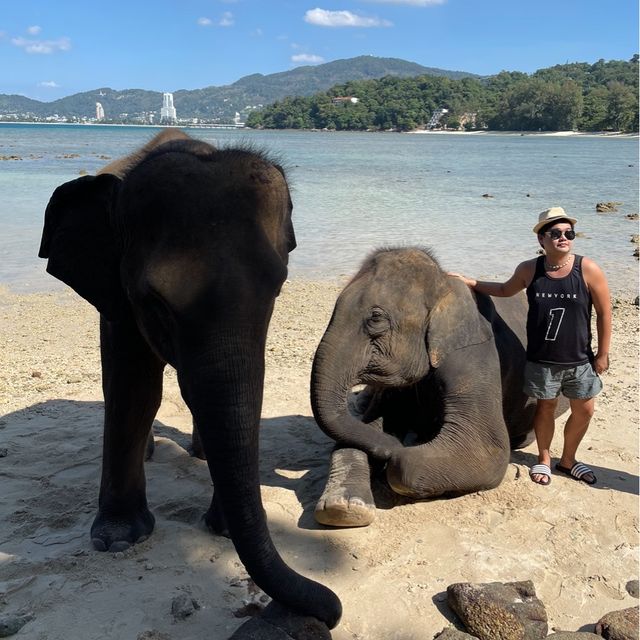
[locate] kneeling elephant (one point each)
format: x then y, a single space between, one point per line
443 402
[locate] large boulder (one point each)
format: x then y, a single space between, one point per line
619 625
497 611
451 633
573 635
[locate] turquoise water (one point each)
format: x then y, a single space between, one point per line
353 192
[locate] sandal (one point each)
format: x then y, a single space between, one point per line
541 470
579 471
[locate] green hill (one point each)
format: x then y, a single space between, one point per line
579 96
222 102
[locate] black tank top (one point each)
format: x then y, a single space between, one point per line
559 318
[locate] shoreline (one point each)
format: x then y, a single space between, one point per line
562 134
542 134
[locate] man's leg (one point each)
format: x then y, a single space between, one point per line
544 427
575 429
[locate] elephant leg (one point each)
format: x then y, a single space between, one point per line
151 446
214 518
347 500
197 450
132 385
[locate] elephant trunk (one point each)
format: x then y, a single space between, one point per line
336 370
223 388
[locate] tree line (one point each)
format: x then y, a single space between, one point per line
578 96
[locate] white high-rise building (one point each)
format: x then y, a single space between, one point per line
99 111
168 111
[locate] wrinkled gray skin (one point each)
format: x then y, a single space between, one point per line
443 403
183 258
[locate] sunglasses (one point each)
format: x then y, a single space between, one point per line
556 234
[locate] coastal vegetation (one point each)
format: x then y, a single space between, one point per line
213 104
580 96
392 94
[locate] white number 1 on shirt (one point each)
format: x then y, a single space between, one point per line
555 320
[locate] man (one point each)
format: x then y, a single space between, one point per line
561 289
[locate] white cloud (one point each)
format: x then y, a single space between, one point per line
205 22
50 84
413 3
34 31
309 58
323 18
227 19
42 46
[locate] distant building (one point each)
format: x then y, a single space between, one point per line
168 111
344 100
435 118
99 111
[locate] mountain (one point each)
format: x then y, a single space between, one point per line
221 103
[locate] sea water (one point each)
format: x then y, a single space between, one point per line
473 199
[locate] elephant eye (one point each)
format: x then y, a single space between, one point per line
377 321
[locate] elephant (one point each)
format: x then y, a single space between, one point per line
183 248
442 369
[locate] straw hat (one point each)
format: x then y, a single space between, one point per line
554 214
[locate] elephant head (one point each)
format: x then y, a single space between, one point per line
396 323
183 258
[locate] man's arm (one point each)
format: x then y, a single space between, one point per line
599 289
520 280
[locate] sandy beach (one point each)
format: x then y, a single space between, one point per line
578 544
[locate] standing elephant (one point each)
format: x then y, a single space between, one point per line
183 256
443 403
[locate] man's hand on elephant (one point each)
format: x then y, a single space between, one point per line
468 281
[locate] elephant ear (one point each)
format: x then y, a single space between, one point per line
79 242
455 323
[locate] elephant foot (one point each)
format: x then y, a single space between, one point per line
119 533
347 500
344 511
279 623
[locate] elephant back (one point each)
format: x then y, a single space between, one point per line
508 321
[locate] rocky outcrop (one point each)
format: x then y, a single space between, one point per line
573 635
512 611
619 625
453 634
12 623
607 207
497 611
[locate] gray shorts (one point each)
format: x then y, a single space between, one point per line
548 381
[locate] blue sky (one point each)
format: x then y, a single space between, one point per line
54 48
